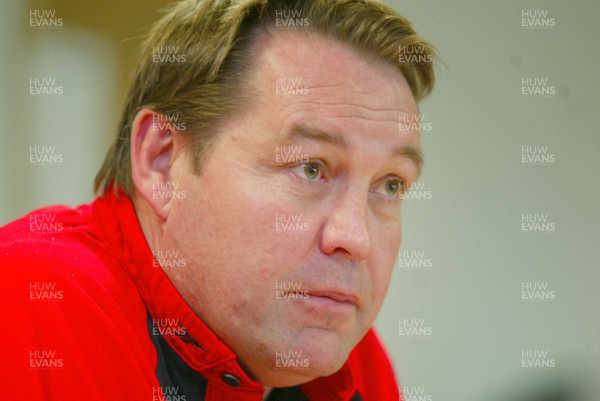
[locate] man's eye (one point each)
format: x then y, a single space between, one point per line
394 188
309 171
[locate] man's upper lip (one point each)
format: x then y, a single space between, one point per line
336 295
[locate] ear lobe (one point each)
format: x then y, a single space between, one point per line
151 157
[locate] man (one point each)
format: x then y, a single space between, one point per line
248 221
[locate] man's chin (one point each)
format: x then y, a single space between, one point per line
314 354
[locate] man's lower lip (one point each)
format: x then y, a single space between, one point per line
325 303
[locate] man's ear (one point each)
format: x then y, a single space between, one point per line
151 157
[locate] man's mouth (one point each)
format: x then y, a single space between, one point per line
337 296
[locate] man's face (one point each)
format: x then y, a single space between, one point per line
291 230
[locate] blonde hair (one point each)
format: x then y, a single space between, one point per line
212 40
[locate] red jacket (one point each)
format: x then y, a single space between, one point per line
83 312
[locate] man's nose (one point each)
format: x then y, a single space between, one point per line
346 228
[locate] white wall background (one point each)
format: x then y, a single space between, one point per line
471 228
77 124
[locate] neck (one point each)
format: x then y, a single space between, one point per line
267 393
148 222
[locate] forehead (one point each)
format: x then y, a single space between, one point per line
332 71
356 98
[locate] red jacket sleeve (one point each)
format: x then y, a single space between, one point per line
70 329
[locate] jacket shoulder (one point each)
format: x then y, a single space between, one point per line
372 370
77 322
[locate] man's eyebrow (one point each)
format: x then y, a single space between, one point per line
413 153
300 131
